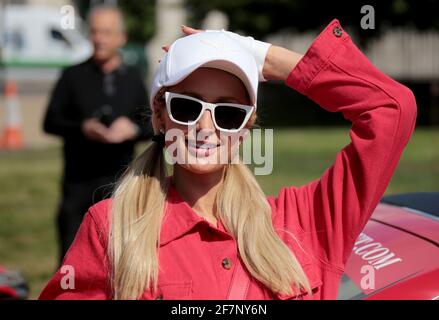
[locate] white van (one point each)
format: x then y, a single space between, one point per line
33 37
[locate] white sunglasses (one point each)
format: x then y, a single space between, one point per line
187 110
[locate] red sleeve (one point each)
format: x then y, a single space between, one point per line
85 264
332 210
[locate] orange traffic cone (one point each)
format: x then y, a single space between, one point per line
12 138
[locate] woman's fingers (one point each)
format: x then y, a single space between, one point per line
186 30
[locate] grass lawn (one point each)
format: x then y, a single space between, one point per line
29 182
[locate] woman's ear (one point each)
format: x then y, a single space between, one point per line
158 122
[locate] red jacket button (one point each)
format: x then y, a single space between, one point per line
337 32
226 263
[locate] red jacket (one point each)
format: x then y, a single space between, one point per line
326 215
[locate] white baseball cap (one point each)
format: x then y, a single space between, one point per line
206 49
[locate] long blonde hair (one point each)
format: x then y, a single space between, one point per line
137 210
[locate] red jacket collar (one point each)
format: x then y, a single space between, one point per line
180 218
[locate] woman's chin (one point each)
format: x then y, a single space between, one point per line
198 168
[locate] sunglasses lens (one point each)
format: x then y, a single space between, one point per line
185 110
229 117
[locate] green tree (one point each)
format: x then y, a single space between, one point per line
262 17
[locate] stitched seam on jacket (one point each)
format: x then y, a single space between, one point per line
325 62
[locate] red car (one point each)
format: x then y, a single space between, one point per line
397 254
12 285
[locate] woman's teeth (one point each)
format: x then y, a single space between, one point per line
201 148
201 145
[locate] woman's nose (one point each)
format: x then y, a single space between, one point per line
206 121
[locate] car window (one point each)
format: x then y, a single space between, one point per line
348 290
426 202
59 37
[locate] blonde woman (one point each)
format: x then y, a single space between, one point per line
208 231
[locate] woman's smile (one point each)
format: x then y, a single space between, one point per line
201 148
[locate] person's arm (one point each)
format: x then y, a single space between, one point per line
333 210
84 273
136 124
60 118
279 62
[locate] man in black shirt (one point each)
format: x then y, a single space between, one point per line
99 108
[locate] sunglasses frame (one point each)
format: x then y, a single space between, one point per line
207 106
